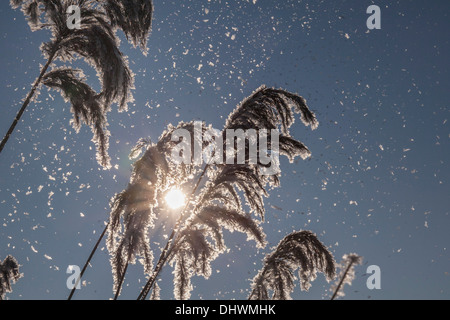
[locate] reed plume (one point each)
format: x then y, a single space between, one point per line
9 274
218 204
97 43
299 250
347 274
133 210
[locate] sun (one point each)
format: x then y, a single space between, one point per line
175 198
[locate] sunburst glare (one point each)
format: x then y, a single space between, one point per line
175 198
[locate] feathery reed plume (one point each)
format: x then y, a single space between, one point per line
133 208
97 43
192 253
298 250
135 23
347 274
218 204
86 107
9 274
144 174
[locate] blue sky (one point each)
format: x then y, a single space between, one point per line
377 183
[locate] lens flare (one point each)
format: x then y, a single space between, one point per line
175 198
